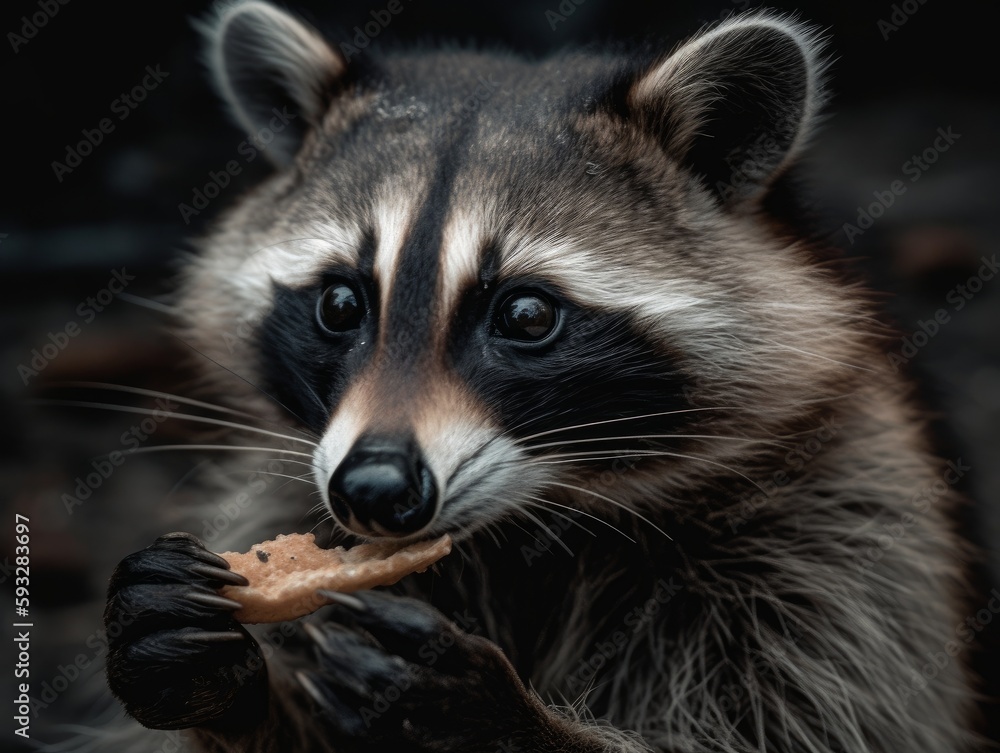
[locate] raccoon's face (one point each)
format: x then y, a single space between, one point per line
488 285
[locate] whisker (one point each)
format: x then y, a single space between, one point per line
148 303
489 529
537 415
236 471
151 393
511 520
652 436
337 535
193 471
583 512
637 514
650 453
178 398
459 546
304 479
541 524
242 378
817 355
224 447
312 392
625 418
280 487
323 519
538 502
290 460
574 457
317 508
171 414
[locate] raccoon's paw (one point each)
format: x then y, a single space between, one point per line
394 673
177 658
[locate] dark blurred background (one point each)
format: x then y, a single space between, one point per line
901 72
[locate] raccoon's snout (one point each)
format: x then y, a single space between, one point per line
383 487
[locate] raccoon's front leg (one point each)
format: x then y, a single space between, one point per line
394 674
177 658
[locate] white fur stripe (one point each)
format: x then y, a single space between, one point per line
294 262
298 261
689 306
464 236
393 215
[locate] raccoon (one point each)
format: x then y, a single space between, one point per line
556 309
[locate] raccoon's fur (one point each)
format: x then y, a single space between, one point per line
692 508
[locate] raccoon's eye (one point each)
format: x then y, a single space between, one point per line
340 308
526 316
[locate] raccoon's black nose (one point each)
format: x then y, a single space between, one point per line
383 486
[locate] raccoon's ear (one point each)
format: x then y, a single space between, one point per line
273 71
735 104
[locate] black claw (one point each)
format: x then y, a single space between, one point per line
314 692
313 632
191 546
217 573
346 600
383 614
416 632
213 600
352 663
211 558
335 641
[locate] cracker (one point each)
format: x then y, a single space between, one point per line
286 573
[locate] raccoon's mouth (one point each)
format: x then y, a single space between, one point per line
390 487
472 504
